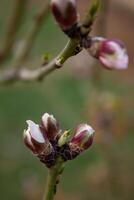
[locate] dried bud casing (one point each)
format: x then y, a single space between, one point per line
65 13
68 151
50 126
111 53
83 136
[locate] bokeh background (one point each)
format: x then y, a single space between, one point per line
82 91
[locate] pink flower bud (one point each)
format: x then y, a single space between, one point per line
83 136
65 13
50 126
111 53
35 140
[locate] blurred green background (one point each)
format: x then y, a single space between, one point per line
106 170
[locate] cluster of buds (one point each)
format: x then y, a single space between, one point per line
48 142
111 53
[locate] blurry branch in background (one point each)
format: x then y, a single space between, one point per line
12 28
18 73
101 30
31 34
106 116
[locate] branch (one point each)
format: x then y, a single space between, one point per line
90 17
23 74
12 27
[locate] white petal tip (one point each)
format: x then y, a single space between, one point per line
35 132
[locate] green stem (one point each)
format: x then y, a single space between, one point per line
53 180
40 73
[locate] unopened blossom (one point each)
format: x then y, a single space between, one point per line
111 53
83 136
36 140
50 126
65 13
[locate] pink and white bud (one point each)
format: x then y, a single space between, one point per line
65 13
111 53
83 136
34 138
50 126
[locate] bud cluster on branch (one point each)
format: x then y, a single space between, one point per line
111 53
49 143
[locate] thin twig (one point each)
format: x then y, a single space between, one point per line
12 27
24 74
90 17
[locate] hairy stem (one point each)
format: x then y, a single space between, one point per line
53 180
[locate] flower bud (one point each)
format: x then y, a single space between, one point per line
111 53
83 136
50 126
65 13
35 140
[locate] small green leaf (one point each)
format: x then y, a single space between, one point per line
64 138
46 56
